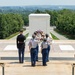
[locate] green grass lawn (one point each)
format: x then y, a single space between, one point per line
26 35
54 37
65 35
15 35
12 35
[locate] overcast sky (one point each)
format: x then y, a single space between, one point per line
35 2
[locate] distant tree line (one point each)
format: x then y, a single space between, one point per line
64 20
25 19
9 24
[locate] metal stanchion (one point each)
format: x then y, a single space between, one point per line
2 65
73 65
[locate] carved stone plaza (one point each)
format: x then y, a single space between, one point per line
61 59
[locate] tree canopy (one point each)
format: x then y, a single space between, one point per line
9 24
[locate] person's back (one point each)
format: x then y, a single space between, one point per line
20 40
33 51
49 41
33 42
44 51
44 45
21 46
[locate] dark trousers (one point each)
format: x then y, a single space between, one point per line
33 53
21 54
44 56
37 48
48 52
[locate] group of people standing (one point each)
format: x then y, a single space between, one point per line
37 38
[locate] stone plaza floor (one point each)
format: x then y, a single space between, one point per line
62 56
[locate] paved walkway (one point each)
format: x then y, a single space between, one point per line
60 60
53 68
61 37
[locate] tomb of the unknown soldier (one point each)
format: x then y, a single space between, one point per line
39 22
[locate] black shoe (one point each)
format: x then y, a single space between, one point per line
33 65
47 60
44 64
36 60
20 62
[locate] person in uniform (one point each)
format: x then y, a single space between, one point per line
21 46
37 47
33 51
43 36
44 51
49 42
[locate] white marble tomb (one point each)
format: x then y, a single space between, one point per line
39 22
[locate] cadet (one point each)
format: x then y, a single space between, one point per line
44 51
49 42
33 51
37 48
21 46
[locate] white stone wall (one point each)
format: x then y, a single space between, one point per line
39 22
